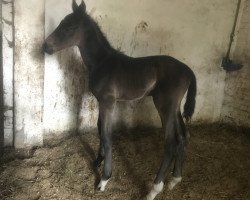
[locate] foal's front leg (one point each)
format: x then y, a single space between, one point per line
100 156
106 109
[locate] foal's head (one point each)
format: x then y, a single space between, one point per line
68 33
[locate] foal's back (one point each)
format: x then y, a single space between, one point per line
133 78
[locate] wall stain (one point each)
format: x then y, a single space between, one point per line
142 27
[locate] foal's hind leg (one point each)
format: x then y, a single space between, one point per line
166 109
180 153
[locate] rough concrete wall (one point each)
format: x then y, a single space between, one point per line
195 32
8 44
236 105
29 72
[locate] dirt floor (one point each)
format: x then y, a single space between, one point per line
217 167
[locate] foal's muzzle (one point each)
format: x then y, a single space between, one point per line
47 49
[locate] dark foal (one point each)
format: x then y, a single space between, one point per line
117 77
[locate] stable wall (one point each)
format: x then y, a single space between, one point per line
51 95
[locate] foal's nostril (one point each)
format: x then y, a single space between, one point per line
47 48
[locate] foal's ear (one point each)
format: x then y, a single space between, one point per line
74 6
82 7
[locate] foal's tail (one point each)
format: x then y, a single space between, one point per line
190 100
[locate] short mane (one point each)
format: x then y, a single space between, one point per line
96 46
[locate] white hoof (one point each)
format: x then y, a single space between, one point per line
101 186
157 188
174 182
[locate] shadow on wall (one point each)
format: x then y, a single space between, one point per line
68 89
75 81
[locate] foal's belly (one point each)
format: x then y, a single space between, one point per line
134 92
134 82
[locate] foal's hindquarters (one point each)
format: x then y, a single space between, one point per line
167 98
167 101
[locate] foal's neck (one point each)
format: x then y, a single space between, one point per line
94 48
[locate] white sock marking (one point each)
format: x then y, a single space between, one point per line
174 182
102 185
157 188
